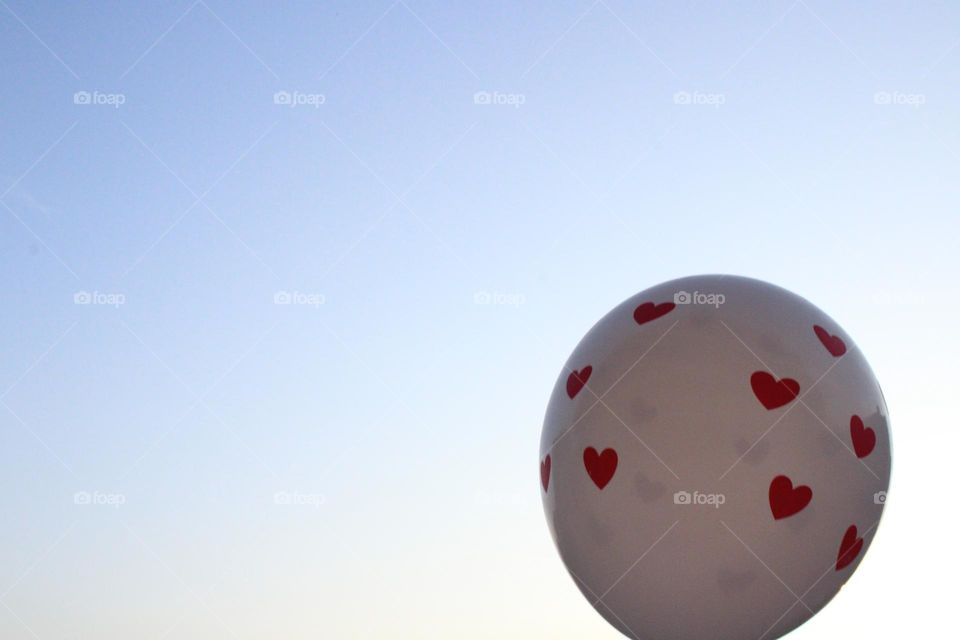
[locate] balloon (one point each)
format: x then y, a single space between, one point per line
714 461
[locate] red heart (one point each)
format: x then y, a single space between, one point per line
545 472
864 438
649 311
773 393
577 379
787 500
600 466
834 344
849 547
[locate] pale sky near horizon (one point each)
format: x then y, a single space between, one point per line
287 288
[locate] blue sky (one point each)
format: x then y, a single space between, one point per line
441 256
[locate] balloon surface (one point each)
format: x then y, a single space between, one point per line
714 461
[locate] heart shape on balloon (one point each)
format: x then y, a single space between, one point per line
600 466
834 344
787 500
577 379
545 472
773 393
850 547
864 438
649 311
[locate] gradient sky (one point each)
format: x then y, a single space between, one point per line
362 462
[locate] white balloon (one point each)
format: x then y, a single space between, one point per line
714 461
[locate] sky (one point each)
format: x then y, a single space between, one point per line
287 288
